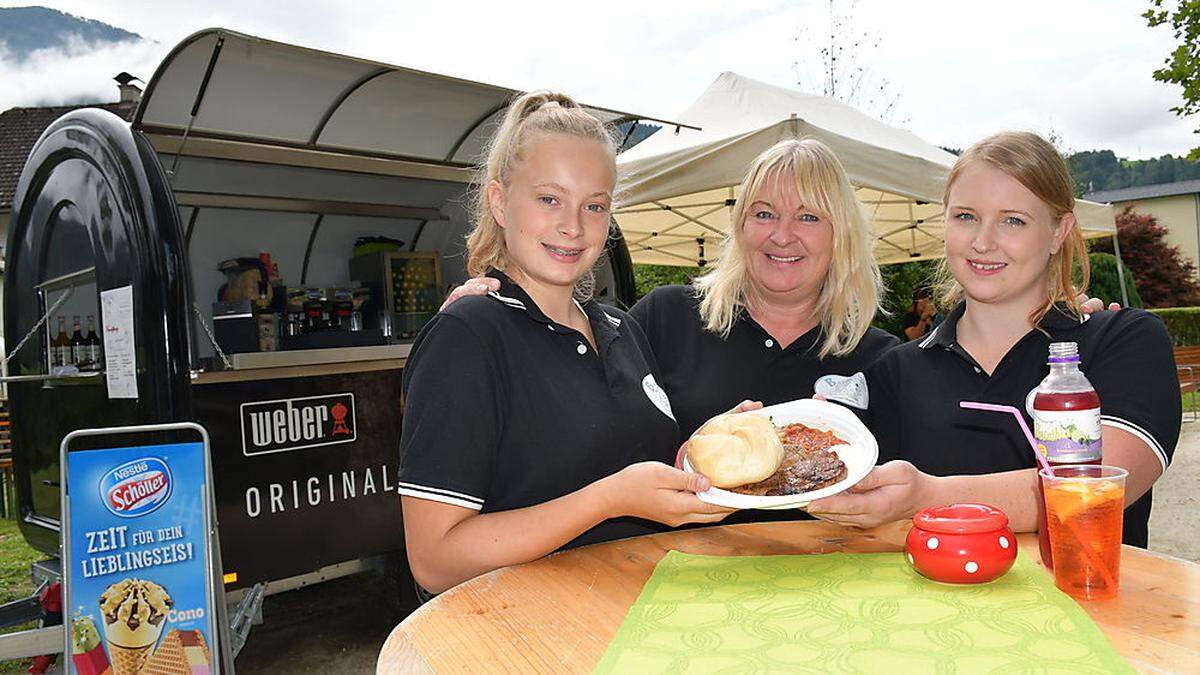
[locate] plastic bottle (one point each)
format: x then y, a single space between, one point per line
1066 422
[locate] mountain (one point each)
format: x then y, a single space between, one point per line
25 29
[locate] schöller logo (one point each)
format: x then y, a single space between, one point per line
297 423
136 488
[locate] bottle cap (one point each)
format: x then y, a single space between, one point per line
1063 352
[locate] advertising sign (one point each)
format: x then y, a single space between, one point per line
138 559
305 468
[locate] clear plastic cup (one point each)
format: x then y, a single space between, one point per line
1085 506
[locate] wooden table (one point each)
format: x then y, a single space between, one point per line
558 614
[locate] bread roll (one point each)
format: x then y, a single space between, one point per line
736 449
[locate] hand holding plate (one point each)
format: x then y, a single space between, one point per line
890 492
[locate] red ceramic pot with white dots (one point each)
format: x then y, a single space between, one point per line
961 543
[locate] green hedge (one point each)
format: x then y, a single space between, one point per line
1183 323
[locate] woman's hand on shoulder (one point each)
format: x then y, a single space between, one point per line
1091 305
745 406
472 286
892 491
655 491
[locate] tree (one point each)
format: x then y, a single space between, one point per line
649 277
900 280
1106 283
1182 67
1162 276
840 64
1097 170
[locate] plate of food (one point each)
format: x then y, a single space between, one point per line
782 456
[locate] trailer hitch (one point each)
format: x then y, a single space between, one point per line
44 643
247 613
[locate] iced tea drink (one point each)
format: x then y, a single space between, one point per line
1085 505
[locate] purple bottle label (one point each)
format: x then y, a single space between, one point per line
1066 436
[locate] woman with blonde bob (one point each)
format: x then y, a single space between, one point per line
789 300
1014 270
849 284
533 420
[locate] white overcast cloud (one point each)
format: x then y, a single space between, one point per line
962 69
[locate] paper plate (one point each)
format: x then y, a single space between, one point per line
859 455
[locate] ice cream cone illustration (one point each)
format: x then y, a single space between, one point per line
134 611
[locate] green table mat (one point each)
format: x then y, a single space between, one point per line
850 613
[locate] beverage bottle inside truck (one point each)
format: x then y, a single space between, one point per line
1066 423
79 348
60 346
93 344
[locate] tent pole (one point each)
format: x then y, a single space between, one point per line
1120 271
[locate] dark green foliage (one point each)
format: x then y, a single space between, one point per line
900 280
1183 323
649 277
1105 283
1182 65
1095 170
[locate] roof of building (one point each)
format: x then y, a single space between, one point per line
1183 187
20 129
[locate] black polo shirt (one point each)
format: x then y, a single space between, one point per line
915 390
505 408
705 374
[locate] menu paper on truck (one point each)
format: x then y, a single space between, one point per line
120 354
137 563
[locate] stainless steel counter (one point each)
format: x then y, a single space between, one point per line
307 363
312 357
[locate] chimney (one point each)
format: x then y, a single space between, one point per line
130 92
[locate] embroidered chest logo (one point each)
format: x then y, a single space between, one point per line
657 396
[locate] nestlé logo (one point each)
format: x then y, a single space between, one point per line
295 423
136 488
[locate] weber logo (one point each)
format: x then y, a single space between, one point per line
297 423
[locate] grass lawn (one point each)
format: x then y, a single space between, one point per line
15 559
1191 402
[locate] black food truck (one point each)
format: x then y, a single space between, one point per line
272 230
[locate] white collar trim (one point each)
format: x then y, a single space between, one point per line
511 302
929 338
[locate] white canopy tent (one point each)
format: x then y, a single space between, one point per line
679 184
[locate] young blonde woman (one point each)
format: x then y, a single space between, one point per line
1012 253
533 421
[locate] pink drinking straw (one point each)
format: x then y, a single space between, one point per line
1020 420
1045 464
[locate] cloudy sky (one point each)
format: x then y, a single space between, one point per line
955 70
